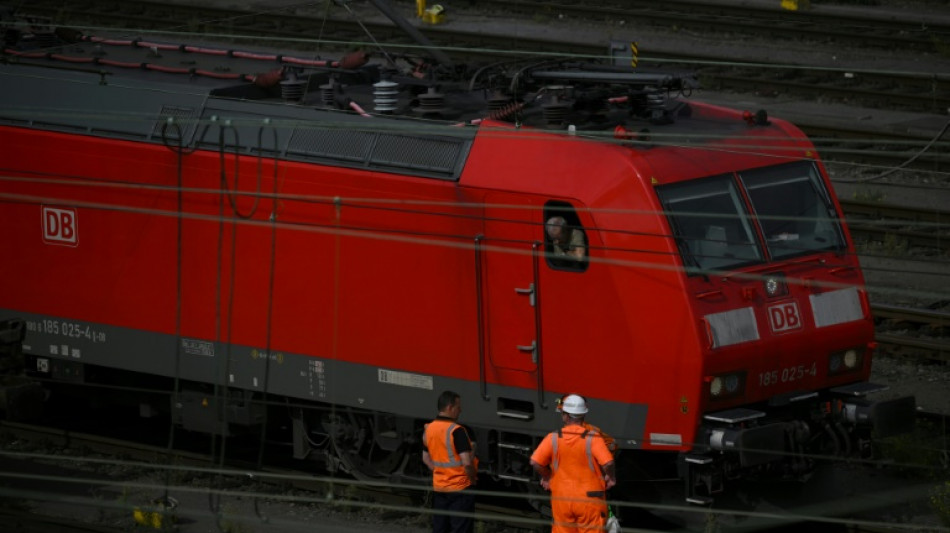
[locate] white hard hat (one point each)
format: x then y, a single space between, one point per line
574 405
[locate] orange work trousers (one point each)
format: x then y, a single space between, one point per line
578 514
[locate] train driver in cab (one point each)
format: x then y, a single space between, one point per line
566 241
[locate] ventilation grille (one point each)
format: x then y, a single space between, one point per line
184 117
416 153
345 145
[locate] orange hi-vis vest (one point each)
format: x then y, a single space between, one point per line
449 474
576 466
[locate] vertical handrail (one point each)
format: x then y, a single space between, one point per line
536 268
479 305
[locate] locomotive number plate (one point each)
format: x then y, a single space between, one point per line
787 374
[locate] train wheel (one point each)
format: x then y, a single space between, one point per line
366 445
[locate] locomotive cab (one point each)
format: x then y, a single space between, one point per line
788 332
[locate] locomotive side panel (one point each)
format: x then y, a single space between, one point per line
89 256
604 326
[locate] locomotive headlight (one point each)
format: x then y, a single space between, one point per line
725 385
845 361
851 358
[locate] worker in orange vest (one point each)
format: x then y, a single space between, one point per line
576 466
450 453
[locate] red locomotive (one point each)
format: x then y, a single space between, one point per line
341 241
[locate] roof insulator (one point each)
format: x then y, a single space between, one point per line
555 112
386 96
431 103
328 93
498 100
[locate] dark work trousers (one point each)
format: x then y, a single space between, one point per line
460 501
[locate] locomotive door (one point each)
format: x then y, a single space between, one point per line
512 234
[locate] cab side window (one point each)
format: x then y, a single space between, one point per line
565 239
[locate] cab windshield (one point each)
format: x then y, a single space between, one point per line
716 228
794 209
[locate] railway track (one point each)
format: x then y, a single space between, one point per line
924 92
907 227
821 25
138 470
305 30
914 333
918 333
203 473
19 520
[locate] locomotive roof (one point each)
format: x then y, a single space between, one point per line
327 109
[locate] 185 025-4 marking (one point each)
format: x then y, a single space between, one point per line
72 330
787 374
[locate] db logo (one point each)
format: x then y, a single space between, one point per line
784 317
60 226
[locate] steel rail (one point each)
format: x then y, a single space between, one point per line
864 29
928 348
514 516
936 319
940 243
890 211
913 91
23 520
931 226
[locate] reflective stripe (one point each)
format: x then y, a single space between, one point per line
450 448
587 449
590 459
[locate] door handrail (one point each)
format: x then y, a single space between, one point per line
479 308
536 267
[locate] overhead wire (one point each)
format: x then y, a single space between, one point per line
235 219
459 240
338 235
821 513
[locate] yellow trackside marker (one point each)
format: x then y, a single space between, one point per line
434 14
156 519
795 5
634 54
